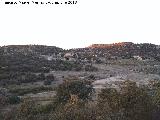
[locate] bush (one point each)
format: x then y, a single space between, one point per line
26 111
74 112
14 99
3 100
47 82
131 103
83 89
50 77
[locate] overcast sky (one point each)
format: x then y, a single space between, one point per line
87 22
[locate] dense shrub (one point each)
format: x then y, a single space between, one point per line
131 103
47 82
26 111
74 112
83 89
14 99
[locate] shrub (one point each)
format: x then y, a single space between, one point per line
74 112
47 82
3 100
50 77
14 99
131 103
26 111
83 89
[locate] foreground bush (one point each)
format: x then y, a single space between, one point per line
83 89
130 103
13 99
74 111
73 102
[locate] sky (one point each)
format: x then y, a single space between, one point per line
79 25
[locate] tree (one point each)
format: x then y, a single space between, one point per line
83 89
136 102
13 99
130 103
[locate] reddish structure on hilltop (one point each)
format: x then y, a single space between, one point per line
109 45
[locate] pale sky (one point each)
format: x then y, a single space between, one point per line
87 22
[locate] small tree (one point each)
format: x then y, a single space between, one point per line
50 77
47 82
41 76
83 89
13 99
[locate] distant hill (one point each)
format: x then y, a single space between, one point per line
16 60
30 49
129 48
122 49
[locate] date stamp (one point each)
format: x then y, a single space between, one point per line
69 2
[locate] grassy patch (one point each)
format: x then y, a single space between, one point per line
34 90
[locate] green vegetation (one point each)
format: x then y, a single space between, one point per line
130 102
82 89
13 99
28 69
34 90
